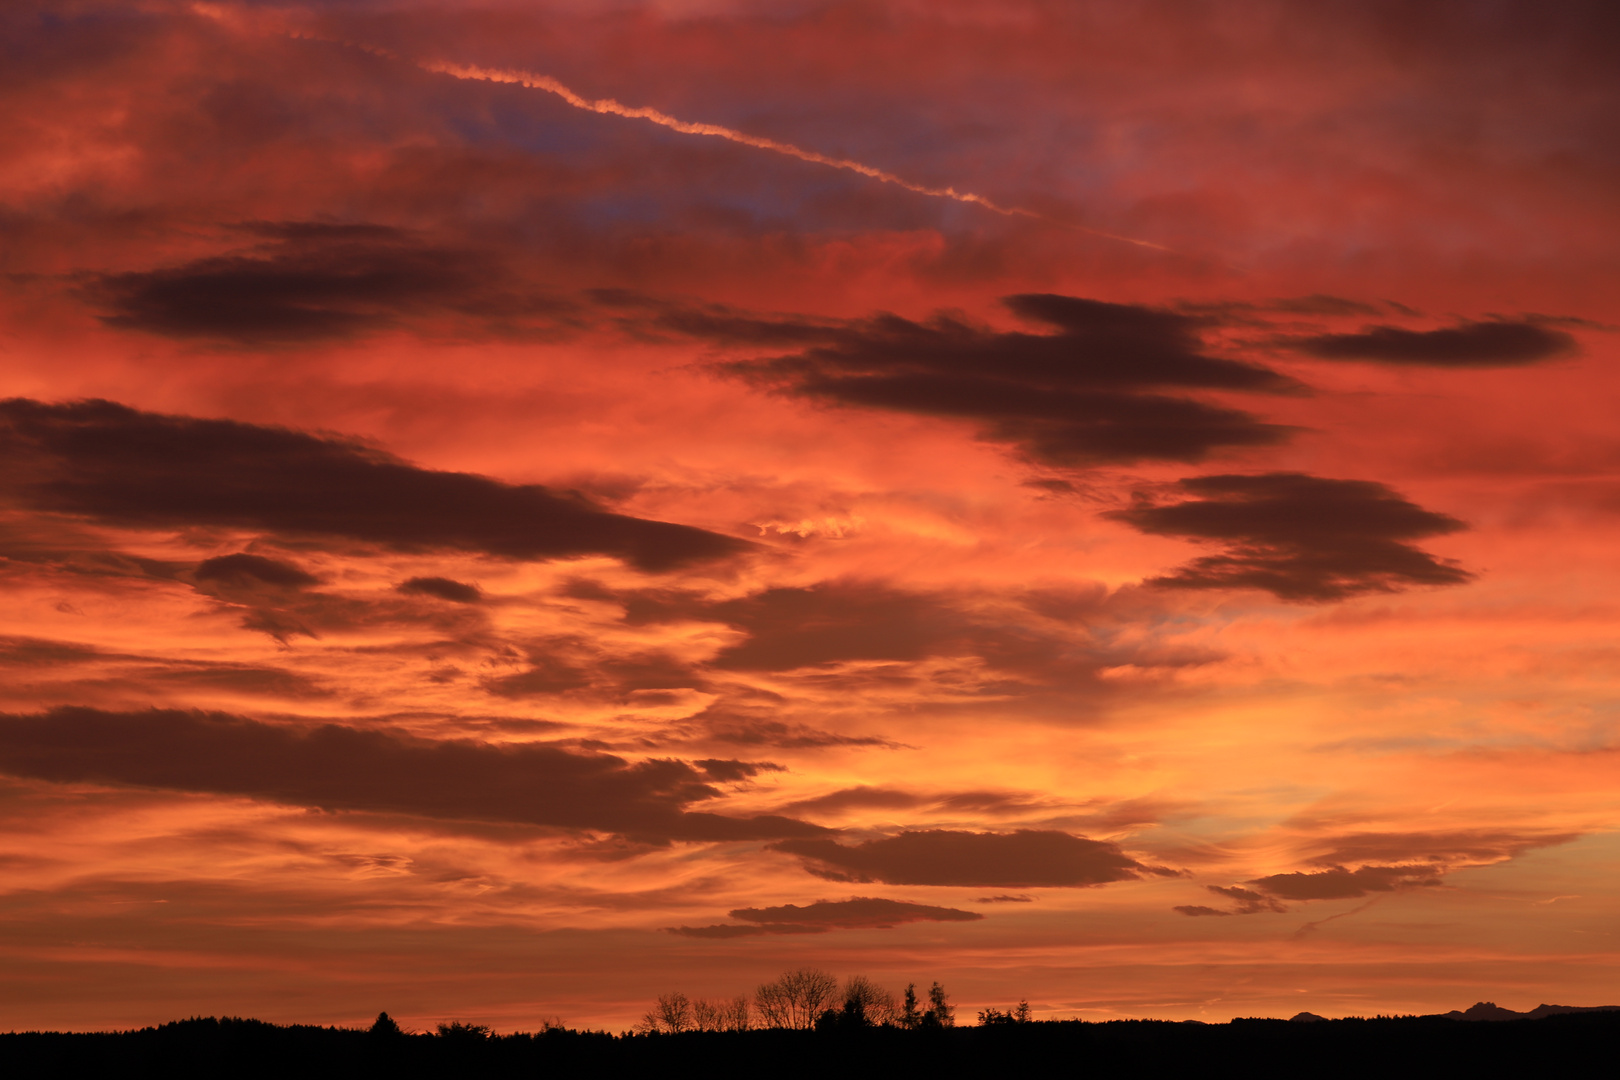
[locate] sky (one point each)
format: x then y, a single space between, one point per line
511 509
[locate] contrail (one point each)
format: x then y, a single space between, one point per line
663 119
1310 927
611 107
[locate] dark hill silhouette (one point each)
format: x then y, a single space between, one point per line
1552 1044
1489 1010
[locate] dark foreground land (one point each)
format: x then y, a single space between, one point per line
1579 1045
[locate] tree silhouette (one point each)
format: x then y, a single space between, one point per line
735 1014
867 1000
939 1014
804 999
796 999
722 1014
909 1016
705 1015
385 1027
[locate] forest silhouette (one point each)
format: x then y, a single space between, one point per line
805 1023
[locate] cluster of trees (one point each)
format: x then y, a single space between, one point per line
1016 1015
812 998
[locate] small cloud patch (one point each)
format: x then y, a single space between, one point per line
856 913
444 588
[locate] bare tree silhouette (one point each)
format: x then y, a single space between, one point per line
866 1000
672 1014
736 1015
805 999
796 999
721 1014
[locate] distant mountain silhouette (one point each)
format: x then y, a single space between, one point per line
1306 1017
1489 1010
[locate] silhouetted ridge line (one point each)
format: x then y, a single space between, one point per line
1552 1043
1489 1010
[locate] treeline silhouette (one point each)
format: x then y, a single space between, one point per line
1384 1046
811 998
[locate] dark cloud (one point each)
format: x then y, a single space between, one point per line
1392 861
563 664
1299 537
836 621
737 930
1497 343
847 620
44 652
822 624
1095 389
988 802
972 802
1004 899
134 672
857 798
444 588
116 464
244 567
1027 858
1336 883
234 678
1248 901
737 729
1441 848
858 913
315 281
1341 884
336 767
1260 313
730 770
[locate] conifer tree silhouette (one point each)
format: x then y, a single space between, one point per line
910 1017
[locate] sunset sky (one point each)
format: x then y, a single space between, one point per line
511 509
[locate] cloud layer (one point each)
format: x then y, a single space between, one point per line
1499 343
450 536
1107 383
336 767
1300 537
123 466
857 913
1025 858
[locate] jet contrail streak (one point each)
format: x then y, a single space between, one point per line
608 106
611 107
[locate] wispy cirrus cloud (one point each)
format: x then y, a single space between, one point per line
1389 862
